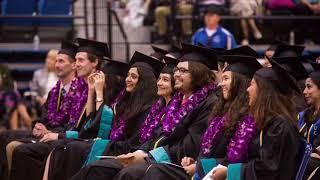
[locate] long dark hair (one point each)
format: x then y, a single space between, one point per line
201 75
6 79
236 106
114 84
271 103
309 115
140 99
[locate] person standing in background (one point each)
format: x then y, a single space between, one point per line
163 11
44 79
247 8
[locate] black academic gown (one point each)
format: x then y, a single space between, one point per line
68 159
276 159
185 140
35 154
276 156
24 136
171 172
216 156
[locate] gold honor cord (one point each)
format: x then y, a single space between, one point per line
308 136
261 134
114 109
162 118
157 142
82 113
304 125
59 98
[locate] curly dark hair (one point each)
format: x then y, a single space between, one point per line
236 106
200 74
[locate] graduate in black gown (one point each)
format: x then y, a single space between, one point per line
309 123
290 58
181 127
104 87
103 93
229 124
274 151
143 72
88 58
53 113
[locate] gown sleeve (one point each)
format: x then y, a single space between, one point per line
277 157
131 141
190 143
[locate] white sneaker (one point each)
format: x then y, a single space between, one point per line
142 12
257 35
244 42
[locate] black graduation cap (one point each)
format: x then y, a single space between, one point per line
68 48
159 49
315 65
171 60
288 51
274 44
115 67
158 52
97 48
315 77
242 50
292 65
175 46
200 54
307 66
279 77
245 65
148 62
157 55
219 51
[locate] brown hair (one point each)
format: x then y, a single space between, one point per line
94 58
200 74
236 105
271 103
309 116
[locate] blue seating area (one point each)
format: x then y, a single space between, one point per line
21 23
37 8
55 7
9 7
